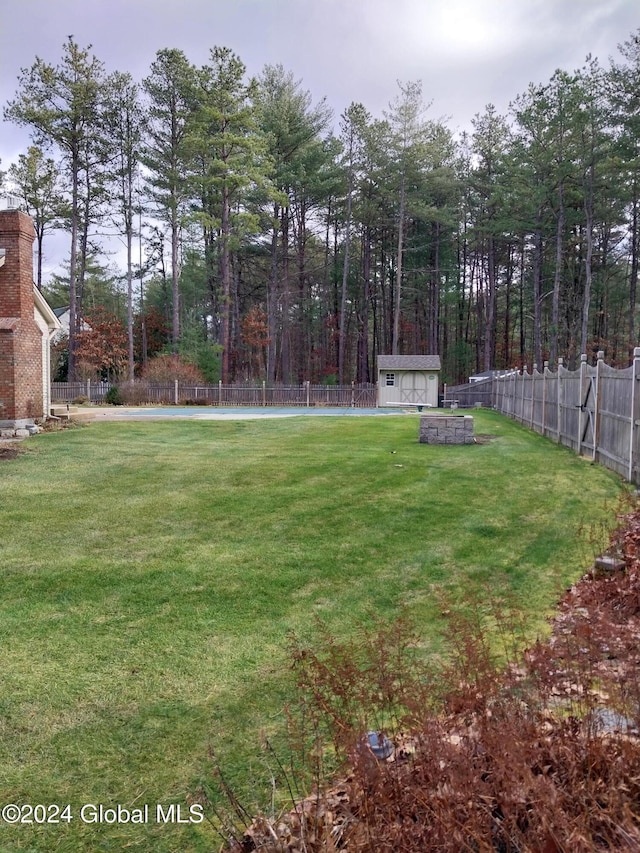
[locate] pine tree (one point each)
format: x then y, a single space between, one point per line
123 124
61 104
36 180
171 101
225 140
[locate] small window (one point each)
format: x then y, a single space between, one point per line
391 379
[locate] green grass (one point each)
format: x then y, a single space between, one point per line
151 573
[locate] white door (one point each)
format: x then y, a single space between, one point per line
413 388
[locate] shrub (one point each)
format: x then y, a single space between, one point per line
113 396
134 393
167 368
81 400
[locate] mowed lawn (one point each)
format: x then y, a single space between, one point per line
152 571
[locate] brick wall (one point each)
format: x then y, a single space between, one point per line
20 338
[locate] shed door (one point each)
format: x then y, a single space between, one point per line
413 388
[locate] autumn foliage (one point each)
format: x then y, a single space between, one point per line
255 338
167 368
512 750
151 334
102 347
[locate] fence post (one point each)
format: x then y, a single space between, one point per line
264 393
597 406
175 391
545 370
219 392
353 395
533 384
308 391
635 378
583 380
559 368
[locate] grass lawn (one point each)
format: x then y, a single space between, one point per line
151 572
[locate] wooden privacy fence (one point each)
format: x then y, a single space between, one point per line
466 396
595 410
178 393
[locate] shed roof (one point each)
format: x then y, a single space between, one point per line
408 362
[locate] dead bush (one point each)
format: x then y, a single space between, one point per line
134 393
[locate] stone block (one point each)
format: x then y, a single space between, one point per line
446 429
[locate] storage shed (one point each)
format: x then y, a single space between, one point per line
408 380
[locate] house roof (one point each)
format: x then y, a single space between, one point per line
45 310
408 362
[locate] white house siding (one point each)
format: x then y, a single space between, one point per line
48 324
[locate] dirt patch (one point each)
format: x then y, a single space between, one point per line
9 452
482 438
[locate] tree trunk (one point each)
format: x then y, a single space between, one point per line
537 300
363 349
490 307
175 281
343 296
557 278
129 237
434 306
73 309
225 275
395 341
633 276
586 302
285 348
272 298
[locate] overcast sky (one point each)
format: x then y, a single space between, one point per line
467 53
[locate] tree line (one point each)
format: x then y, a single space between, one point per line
262 241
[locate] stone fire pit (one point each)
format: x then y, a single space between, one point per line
446 429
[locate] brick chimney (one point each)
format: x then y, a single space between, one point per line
21 342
